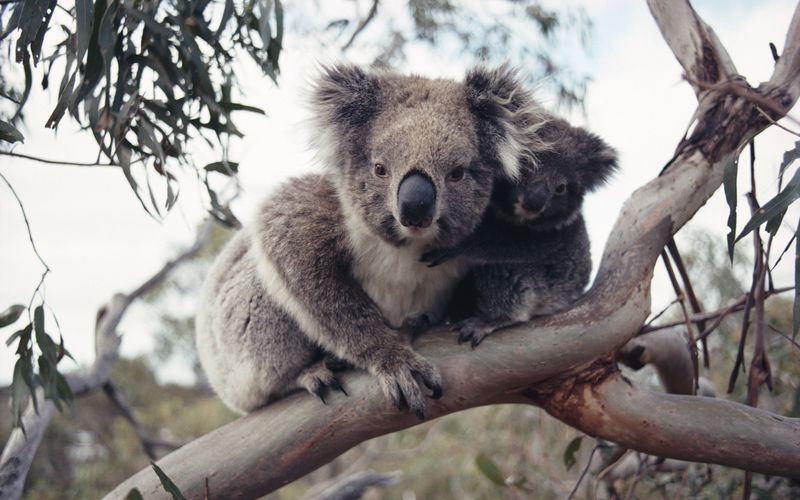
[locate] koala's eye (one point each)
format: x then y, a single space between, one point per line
561 189
380 170
456 174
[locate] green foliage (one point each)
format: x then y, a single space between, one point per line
570 451
770 213
169 486
146 79
25 379
9 133
489 468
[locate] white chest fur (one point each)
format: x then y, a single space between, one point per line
400 285
395 279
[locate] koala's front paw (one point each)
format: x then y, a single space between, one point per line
396 373
473 330
317 378
439 256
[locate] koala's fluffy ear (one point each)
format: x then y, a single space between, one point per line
597 160
593 160
346 95
508 116
342 99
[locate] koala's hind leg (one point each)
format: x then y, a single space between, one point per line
317 378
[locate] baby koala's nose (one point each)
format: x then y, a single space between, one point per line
535 197
416 198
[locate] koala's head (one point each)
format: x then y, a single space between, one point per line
415 159
550 194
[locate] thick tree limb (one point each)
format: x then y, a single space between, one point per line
561 363
20 450
666 425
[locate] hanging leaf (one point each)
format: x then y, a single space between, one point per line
775 206
796 306
12 314
790 156
169 486
134 494
9 133
729 183
489 468
570 451
223 167
84 14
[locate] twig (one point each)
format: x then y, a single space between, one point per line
149 443
689 326
687 286
363 24
791 340
736 306
741 89
355 485
583 474
25 218
57 162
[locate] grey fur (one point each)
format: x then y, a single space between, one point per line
532 264
326 272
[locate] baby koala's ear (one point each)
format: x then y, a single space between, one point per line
345 96
507 115
597 161
594 160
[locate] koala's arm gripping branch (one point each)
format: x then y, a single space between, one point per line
297 435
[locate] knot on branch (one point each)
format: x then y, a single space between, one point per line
563 396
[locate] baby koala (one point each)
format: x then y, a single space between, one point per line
531 248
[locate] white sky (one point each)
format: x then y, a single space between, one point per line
97 240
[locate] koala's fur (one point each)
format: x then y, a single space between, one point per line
327 273
533 263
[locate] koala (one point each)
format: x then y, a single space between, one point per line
532 248
330 274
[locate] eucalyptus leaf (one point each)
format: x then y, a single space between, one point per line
489 468
169 486
775 206
796 305
12 314
571 450
729 184
9 133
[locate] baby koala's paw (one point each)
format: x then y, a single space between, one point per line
317 379
473 330
439 256
416 323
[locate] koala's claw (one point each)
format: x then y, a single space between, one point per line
336 385
473 330
397 378
438 256
317 378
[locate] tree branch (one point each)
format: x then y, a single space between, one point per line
57 162
520 364
665 425
20 449
149 443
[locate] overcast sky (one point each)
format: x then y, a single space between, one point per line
97 240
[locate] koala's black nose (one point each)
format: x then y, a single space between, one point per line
535 197
416 198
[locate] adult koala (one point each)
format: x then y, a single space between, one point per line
331 268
